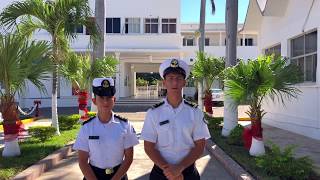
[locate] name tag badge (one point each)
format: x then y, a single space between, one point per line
164 122
93 137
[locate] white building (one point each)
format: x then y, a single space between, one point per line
141 34
290 28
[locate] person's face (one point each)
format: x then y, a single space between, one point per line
174 82
104 103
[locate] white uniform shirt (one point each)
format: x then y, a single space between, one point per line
106 142
174 130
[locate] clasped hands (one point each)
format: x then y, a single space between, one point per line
173 172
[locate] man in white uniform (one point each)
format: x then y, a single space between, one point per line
174 131
105 142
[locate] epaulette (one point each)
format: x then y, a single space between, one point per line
194 105
158 105
88 120
121 118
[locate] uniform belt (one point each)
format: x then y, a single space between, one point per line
107 171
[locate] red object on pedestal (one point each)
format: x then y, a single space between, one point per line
83 97
247 137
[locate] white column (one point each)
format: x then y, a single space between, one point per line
243 39
134 83
220 39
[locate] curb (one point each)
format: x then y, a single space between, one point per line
233 168
36 170
24 121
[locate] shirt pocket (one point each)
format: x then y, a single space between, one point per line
165 137
94 145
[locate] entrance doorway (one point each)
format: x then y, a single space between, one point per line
148 85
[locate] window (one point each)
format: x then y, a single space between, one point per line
169 25
276 50
247 42
113 25
151 25
188 42
132 25
207 42
79 29
304 54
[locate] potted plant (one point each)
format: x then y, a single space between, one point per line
79 70
254 81
207 68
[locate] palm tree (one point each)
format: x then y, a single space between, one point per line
59 18
21 62
80 72
230 118
255 81
202 41
208 69
99 46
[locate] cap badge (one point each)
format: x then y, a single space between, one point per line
174 63
105 84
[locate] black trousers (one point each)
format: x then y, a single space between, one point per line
101 173
190 173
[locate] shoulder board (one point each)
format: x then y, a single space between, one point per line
194 105
88 120
158 105
121 118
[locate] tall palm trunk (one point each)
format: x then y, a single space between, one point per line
230 119
10 117
201 47
99 47
54 102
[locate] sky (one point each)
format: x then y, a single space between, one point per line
190 12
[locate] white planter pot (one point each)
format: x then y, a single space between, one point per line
11 148
257 147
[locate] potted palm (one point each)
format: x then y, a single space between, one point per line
254 81
79 70
208 69
21 62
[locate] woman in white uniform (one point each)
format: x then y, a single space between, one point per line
105 142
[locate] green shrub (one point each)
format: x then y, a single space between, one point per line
92 114
68 122
214 123
283 164
235 137
42 133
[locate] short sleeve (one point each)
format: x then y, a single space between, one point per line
200 130
148 132
131 137
81 141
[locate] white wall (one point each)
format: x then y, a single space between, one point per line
301 116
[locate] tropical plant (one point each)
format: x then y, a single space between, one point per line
230 118
202 40
79 70
258 80
59 18
21 62
207 69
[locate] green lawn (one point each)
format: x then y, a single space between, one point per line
32 151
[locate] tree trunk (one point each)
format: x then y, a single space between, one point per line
99 47
11 129
230 108
201 47
54 102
